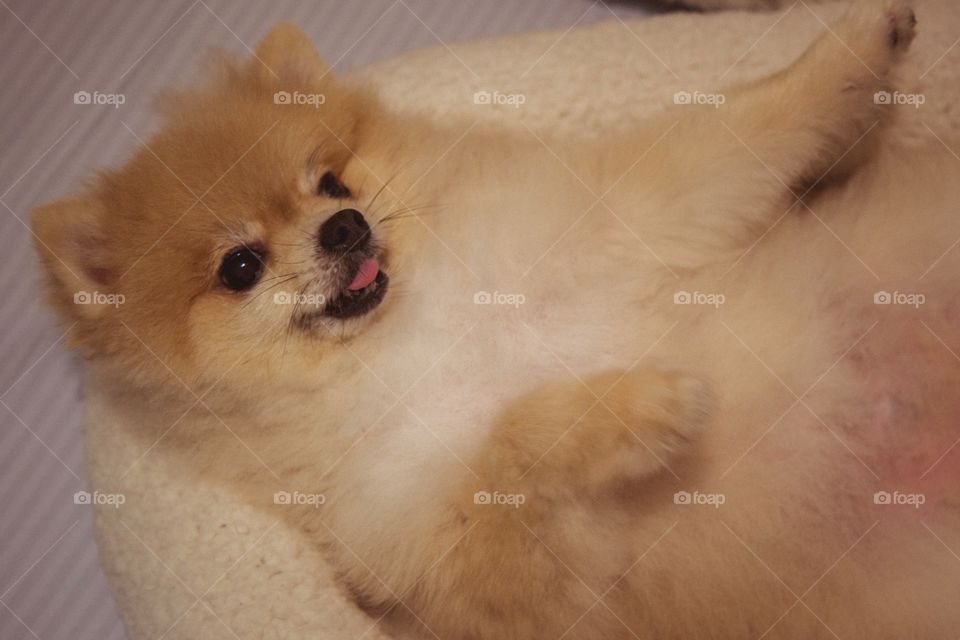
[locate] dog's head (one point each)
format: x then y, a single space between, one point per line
243 235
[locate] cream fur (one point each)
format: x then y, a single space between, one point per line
502 398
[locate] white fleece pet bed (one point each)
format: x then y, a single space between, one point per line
189 561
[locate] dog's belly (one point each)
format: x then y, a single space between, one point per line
597 298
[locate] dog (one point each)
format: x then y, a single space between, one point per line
484 370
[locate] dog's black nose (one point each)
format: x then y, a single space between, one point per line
345 231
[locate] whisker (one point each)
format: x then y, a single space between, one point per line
409 212
290 320
308 236
282 275
274 285
381 189
395 218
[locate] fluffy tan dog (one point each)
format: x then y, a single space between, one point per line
476 367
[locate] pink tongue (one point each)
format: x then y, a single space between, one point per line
365 275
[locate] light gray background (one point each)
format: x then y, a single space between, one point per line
50 583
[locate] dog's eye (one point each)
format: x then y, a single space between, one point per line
241 269
331 186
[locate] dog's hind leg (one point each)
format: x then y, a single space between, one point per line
716 167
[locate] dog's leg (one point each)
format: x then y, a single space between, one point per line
726 169
571 436
541 516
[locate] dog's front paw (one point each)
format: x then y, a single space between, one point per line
657 415
582 435
695 402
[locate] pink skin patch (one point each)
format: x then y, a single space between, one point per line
910 433
366 274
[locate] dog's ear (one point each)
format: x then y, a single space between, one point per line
287 54
70 237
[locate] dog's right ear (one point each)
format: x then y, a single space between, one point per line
70 237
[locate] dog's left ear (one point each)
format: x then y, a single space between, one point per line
286 54
71 239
